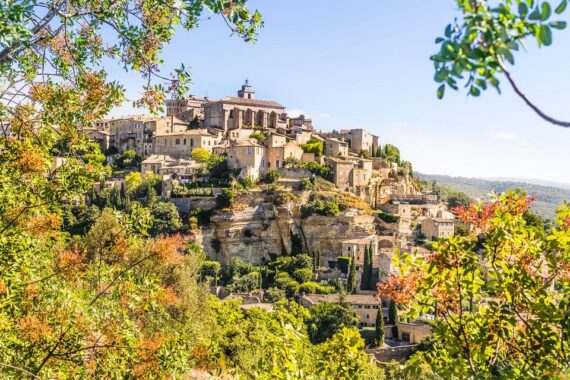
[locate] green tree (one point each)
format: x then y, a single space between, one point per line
194 124
201 155
456 199
501 304
477 48
391 153
211 270
393 318
351 282
166 219
366 270
379 329
327 318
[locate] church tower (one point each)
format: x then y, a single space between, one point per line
246 91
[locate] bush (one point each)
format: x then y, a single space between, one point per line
388 218
292 289
246 283
313 146
343 263
307 184
272 176
323 204
226 198
258 135
282 279
210 269
303 275
274 294
201 155
166 219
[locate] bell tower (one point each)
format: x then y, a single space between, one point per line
246 91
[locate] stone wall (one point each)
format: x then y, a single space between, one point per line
184 205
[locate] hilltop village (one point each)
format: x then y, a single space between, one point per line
258 186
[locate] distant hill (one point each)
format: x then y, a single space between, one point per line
549 197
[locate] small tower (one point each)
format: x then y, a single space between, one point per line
246 91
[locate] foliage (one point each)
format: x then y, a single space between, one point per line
258 135
274 295
128 159
226 198
307 184
327 318
166 219
501 303
366 270
246 283
312 287
194 124
351 281
313 146
272 176
388 218
201 155
327 205
477 48
302 275
379 328
210 270
392 313
456 199
343 263
391 153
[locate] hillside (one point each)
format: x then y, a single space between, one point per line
549 197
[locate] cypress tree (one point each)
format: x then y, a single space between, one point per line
372 280
366 269
379 332
393 318
351 286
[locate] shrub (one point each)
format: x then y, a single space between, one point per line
303 275
246 283
313 146
274 294
201 155
307 184
292 289
272 176
247 183
282 279
258 135
343 263
226 198
388 218
323 204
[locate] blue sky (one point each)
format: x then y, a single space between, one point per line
366 65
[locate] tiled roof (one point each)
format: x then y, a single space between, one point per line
250 102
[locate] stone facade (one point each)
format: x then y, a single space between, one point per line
437 228
181 144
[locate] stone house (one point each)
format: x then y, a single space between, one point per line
164 164
186 109
360 140
437 228
342 171
335 147
249 156
100 136
234 112
181 144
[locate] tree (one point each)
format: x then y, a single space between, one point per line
166 219
500 294
211 270
272 176
379 330
366 270
194 124
373 279
393 318
478 48
201 155
327 318
351 283
456 199
391 153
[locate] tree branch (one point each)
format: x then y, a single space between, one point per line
534 107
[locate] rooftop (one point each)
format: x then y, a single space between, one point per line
249 102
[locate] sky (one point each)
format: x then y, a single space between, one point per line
366 65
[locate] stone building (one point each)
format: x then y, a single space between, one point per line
101 137
249 156
186 109
360 140
335 147
234 112
351 173
279 148
437 228
181 144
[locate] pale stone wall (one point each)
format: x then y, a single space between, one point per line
183 143
415 331
437 228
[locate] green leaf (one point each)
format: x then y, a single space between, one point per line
535 15
441 91
439 40
546 11
523 10
558 24
475 91
545 35
562 7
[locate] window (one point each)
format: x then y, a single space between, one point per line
249 150
184 141
191 142
177 141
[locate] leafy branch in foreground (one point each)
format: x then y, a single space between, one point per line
477 49
500 295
